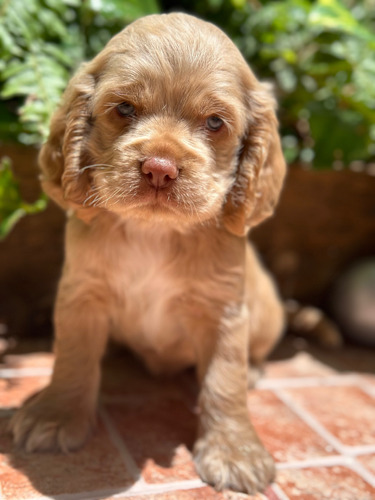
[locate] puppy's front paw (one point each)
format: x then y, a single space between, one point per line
237 462
48 422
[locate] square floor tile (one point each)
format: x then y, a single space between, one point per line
345 411
96 466
283 433
368 461
14 391
206 493
158 434
155 420
30 360
301 364
324 483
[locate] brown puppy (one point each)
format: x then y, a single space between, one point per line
165 152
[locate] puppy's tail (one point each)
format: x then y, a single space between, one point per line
311 323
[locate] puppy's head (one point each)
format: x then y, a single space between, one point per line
167 122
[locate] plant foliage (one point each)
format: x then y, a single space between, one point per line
12 207
320 54
41 44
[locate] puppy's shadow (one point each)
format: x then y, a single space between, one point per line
146 428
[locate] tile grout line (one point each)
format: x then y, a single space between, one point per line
140 486
330 461
362 471
6 373
120 445
279 492
150 489
128 492
355 451
311 421
347 457
368 389
83 495
338 460
290 383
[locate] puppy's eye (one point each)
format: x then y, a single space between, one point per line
126 109
214 123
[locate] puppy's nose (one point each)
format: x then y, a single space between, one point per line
159 172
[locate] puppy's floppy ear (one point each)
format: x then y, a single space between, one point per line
61 156
261 167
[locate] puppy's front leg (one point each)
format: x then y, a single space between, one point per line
228 453
61 416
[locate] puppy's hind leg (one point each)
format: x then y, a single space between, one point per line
266 324
61 416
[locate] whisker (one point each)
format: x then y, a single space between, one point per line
98 197
96 165
89 197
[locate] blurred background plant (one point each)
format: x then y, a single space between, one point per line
319 54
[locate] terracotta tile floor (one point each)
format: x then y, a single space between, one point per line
316 418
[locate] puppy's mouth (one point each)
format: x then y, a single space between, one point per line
157 196
158 189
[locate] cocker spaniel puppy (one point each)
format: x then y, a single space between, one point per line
164 152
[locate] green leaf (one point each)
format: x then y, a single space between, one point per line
12 207
333 15
215 4
52 23
336 133
126 11
22 82
6 41
9 190
59 54
60 6
238 4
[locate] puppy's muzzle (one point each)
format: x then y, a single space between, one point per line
159 172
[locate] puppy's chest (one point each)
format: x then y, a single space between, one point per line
147 282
